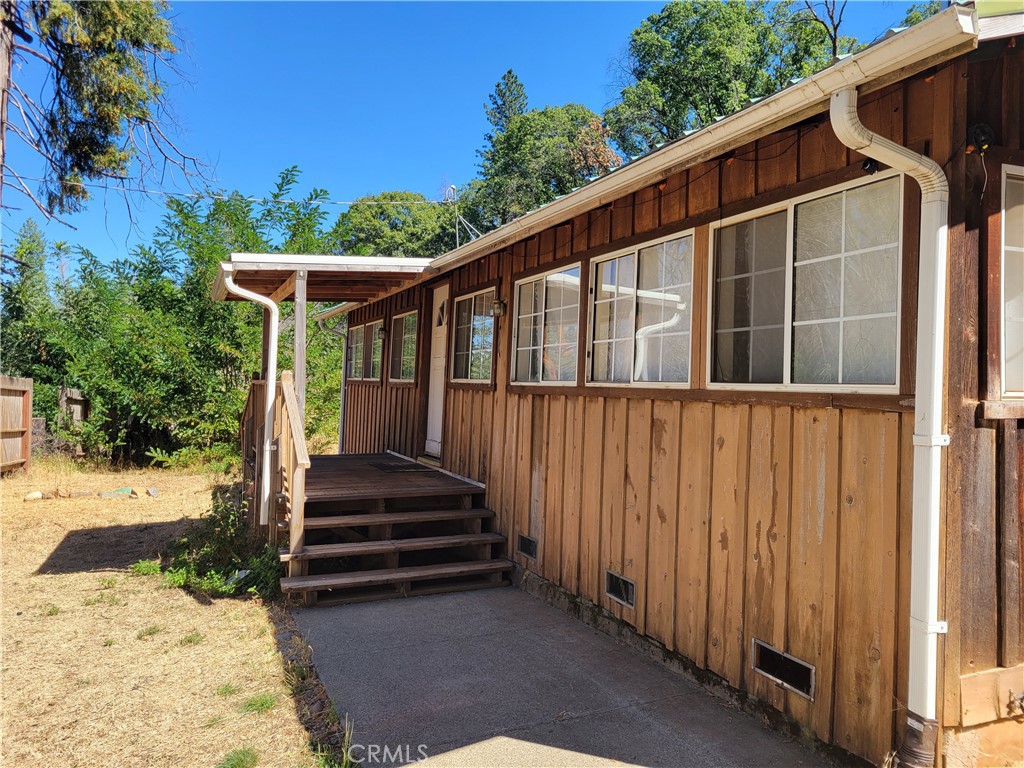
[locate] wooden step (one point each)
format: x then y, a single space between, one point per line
395 518
393 575
352 549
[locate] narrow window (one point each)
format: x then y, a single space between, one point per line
1013 281
547 326
355 351
664 295
846 286
614 307
750 301
641 311
474 337
403 348
376 348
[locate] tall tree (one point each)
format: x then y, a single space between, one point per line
695 60
507 101
101 112
394 224
541 154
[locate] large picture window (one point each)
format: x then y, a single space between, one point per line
642 314
1013 281
810 295
474 337
354 355
547 327
403 348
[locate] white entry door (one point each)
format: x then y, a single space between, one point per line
438 361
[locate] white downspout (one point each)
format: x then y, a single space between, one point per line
270 391
919 743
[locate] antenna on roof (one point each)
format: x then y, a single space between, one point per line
451 195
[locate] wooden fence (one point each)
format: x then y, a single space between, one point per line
15 423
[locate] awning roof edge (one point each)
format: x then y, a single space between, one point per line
328 278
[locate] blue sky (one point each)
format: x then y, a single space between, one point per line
366 97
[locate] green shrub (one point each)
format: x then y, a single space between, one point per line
219 546
146 568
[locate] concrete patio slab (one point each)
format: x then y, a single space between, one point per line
498 678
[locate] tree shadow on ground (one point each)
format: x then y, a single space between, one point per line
112 547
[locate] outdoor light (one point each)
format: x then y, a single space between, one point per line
497 308
381 333
870 166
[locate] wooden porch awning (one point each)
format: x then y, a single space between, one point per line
328 278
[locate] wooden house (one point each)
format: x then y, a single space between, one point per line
752 400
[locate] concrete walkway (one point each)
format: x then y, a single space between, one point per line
497 678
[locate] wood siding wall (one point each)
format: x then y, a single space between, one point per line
382 414
738 515
984 542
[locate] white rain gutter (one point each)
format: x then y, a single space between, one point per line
929 437
269 392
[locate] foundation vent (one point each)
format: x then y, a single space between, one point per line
788 671
527 546
619 588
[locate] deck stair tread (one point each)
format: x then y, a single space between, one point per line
379 476
388 546
395 518
394 575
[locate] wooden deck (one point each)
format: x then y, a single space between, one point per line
351 477
379 525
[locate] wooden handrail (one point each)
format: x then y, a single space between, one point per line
292 463
294 417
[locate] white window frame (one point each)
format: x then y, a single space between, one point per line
453 319
372 334
348 348
391 346
515 328
591 294
1008 170
790 207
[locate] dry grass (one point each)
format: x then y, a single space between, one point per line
102 666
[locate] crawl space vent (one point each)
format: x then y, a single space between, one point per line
788 671
527 546
620 589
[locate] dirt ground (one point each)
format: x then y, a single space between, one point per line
104 667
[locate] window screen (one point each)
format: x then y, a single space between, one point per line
846 286
749 301
664 294
403 348
376 348
642 312
547 327
614 307
355 351
474 337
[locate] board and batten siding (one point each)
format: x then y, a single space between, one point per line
782 516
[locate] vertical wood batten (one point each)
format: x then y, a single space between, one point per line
810 633
866 595
731 452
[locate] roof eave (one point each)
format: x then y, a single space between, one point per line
939 38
